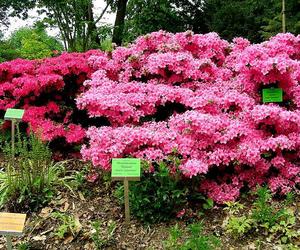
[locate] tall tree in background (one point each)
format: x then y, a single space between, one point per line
274 23
34 43
76 21
80 29
14 8
232 18
29 43
145 16
191 14
74 18
119 22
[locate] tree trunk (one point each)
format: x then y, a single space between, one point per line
92 28
119 23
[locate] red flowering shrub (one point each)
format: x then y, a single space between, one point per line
200 97
47 89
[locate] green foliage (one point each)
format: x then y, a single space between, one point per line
263 212
34 43
239 18
256 20
276 222
23 246
83 33
74 180
290 197
106 45
197 240
208 204
4 136
104 35
193 238
233 207
14 8
68 225
273 24
145 16
285 227
175 233
238 226
99 240
28 182
157 196
7 52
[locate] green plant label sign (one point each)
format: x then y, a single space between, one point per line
126 167
12 114
272 95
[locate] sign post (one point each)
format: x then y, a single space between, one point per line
126 169
12 224
14 115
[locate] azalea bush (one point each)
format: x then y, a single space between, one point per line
47 89
201 97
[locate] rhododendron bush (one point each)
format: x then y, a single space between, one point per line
46 89
200 97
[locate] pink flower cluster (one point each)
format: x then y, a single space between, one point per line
46 89
199 96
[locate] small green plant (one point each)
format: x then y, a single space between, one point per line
233 207
208 204
277 221
157 196
290 197
284 229
238 226
175 233
23 246
197 240
74 180
264 213
27 182
68 225
192 238
99 240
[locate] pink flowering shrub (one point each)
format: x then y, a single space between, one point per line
47 89
199 96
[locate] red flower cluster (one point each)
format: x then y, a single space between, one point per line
47 89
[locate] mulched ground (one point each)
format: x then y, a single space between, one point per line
97 203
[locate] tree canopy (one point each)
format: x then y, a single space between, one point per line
80 28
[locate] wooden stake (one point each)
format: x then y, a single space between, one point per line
13 126
126 196
8 242
283 17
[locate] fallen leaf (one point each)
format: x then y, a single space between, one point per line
61 201
45 212
47 231
39 238
81 196
78 225
69 239
65 208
